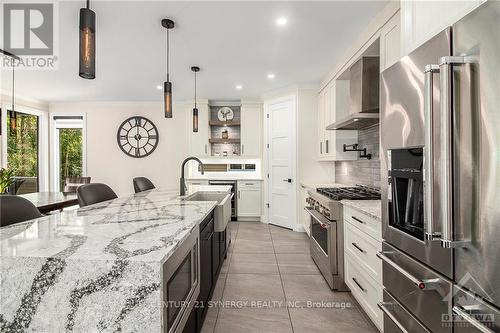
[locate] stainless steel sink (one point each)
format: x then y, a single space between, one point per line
222 212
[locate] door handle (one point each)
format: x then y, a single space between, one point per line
430 233
446 106
288 180
422 284
327 146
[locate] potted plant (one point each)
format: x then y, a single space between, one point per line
6 179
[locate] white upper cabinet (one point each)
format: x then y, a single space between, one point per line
333 104
423 19
198 141
251 130
390 42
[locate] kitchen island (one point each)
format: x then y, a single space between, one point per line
98 268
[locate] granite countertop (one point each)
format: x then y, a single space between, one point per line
372 208
97 268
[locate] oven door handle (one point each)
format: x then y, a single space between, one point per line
422 284
323 222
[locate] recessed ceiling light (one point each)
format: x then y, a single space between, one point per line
271 76
159 87
239 87
281 21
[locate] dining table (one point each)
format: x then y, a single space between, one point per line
51 201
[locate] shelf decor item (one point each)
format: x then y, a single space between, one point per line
137 137
225 134
167 85
87 42
225 114
195 69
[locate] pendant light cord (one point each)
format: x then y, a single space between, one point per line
13 83
195 90
168 55
88 4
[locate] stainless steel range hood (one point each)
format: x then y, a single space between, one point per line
363 96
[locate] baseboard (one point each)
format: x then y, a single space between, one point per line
299 228
249 219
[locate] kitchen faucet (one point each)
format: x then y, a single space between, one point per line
182 180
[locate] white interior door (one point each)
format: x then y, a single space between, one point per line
281 162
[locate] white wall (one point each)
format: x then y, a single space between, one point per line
106 163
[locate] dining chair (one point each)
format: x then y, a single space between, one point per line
72 183
15 209
142 184
89 194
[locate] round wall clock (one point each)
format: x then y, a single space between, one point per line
225 113
137 137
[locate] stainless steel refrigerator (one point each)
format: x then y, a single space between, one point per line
440 137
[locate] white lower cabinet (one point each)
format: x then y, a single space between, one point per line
249 199
363 269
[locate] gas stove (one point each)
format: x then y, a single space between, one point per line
327 228
326 200
358 192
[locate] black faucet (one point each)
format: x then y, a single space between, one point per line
182 180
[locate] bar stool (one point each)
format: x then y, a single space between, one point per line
89 194
15 209
142 184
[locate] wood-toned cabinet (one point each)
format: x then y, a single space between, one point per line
333 104
251 129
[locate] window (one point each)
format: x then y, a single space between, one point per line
23 151
68 147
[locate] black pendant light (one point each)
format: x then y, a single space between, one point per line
167 85
195 69
87 42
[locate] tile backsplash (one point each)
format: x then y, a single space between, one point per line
362 171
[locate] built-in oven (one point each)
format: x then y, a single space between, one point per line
181 283
325 249
407 223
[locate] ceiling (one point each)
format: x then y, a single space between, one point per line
234 43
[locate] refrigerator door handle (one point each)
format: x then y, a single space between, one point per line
462 312
430 233
448 240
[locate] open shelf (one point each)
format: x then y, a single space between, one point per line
224 123
226 141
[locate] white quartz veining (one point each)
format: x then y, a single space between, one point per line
372 208
97 268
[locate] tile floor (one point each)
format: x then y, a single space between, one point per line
268 282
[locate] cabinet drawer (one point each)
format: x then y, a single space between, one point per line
248 184
367 224
196 182
365 249
366 291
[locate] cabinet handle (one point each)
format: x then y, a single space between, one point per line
321 147
359 285
242 149
239 194
357 247
206 152
327 146
358 220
